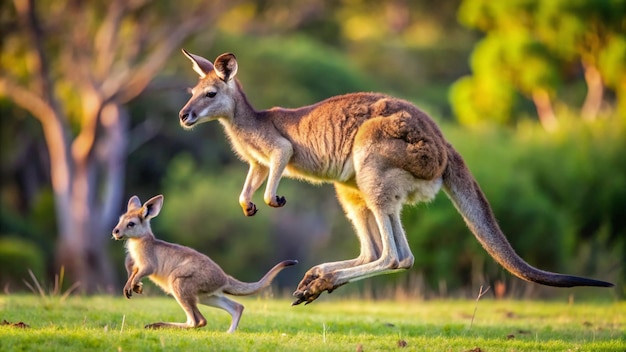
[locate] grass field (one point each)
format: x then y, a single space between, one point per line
105 323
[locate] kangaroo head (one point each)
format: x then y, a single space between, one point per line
213 96
135 223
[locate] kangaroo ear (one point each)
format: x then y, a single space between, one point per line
226 67
201 65
133 203
152 207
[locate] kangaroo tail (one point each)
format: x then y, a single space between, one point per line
238 288
463 190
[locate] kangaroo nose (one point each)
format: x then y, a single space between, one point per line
185 115
116 231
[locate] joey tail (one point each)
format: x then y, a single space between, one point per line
239 288
463 190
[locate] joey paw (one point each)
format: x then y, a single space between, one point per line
138 288
128 292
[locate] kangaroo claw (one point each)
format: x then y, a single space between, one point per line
138 288
277 202
250 209
312 286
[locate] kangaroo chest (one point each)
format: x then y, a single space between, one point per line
145 258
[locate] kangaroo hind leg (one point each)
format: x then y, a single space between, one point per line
233 308
184 293
383 191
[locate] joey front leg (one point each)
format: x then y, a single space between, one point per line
133 283
129 263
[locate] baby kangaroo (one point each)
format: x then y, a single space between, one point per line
189 276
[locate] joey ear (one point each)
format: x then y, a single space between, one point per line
226 67
201 65
133 203
152 207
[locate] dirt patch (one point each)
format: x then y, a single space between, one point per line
20 324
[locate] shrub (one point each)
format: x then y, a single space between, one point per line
17 256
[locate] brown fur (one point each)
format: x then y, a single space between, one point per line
380 152
189 276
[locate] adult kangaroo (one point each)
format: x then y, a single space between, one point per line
380 152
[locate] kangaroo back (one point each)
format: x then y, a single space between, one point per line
238 288
463 190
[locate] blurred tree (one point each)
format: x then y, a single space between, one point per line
73 65
532 47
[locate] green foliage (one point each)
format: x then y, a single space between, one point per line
535 46
489 100
105 323
17 256
290 71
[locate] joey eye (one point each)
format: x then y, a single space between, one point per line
130 225
211 94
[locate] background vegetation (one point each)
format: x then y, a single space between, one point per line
532 94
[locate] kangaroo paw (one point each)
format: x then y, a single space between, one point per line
128 292
138 288
313 285
277 202
249 209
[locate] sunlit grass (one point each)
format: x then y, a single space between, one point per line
114 323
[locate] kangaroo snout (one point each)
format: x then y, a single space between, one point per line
187 116
116 234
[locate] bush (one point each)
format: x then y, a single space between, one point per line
17 256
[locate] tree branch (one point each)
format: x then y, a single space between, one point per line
142 75
56 139
106 37
546 115
28 17
134 82
595 92
85 142
26 99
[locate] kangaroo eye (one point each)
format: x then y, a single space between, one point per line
130 225
211 94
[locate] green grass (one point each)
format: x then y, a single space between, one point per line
104 323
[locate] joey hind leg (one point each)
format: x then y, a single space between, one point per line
185 294
233 308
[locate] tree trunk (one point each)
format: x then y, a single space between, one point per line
96 192
595 93
548 120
